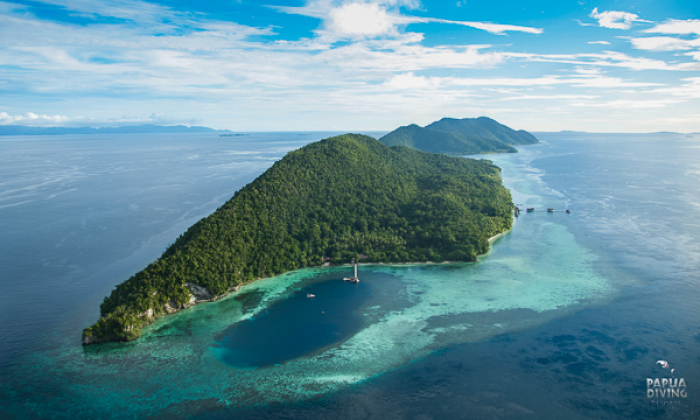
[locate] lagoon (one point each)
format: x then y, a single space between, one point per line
297 325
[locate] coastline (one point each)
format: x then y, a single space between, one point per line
493 238
88 340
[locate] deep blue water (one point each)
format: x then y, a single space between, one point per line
564 318
297 325
79 212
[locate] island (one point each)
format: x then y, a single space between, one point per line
466 136
344 197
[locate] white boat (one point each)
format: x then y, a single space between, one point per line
309 296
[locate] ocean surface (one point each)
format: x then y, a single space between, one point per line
565 318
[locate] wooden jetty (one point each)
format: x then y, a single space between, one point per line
548 210
353 279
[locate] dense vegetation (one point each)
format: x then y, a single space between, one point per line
462 137
335 199
485 128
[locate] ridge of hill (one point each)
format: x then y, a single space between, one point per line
462 137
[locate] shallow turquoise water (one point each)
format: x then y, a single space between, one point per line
545 272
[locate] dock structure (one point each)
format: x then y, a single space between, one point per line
548 210
354 278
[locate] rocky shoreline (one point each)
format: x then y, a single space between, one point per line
198 295
201 294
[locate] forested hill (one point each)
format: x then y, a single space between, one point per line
463 137
485 128
334 198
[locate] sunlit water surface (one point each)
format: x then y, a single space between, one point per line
564 318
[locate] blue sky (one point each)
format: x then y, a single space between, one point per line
539 65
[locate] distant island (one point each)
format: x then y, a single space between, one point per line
467 136
21 130
345 197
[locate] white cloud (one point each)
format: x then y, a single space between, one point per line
664 43
676 27
31 118
582 79
548 97
625 103
588 71
410 81
608 59
43 120
360 20
694 54
379 18
614 19
667 43
370 56
690 89
510 91
130 10
608 82
504 81
599 42
494 28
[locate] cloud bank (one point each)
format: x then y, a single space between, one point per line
358 65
